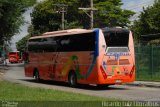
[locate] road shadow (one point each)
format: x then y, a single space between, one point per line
79 86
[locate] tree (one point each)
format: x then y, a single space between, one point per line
148 22
110 14
11 17
21 44
45 16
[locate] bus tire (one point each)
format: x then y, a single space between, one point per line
36 76
102 85
72 79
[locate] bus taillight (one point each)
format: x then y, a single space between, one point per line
132 71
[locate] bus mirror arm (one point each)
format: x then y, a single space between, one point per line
104 46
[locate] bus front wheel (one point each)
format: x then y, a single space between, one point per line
72 79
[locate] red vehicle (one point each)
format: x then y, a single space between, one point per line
14 57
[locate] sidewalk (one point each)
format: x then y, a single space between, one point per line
145 84
2 67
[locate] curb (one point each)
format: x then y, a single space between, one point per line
150 84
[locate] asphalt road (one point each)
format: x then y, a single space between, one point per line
15 73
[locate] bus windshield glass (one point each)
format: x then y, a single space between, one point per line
68 43
116 38
12 53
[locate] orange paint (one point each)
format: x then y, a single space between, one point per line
104 64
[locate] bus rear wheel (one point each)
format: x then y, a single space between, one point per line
36 76
72 79
102 85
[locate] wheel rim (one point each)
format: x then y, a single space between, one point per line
72 80
37 76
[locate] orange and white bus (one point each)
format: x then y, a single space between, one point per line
99 56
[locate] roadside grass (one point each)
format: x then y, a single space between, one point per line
18 95
148 78
17 92
145 75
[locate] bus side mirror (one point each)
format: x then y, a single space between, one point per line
103 46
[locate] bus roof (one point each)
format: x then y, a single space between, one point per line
11 52
14 51
115 29
62 32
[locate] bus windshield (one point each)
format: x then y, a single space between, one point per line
116 38
12 53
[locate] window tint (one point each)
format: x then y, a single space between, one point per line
116 39
34 45
12 53
68 43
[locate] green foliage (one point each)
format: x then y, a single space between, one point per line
109 13
11 17
46 18
21 44
148 22
154 42
72 25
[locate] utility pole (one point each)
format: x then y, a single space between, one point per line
61 8
63 20
92 20
91 9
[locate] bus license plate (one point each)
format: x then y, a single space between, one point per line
118 81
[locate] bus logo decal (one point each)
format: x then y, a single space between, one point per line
117 54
